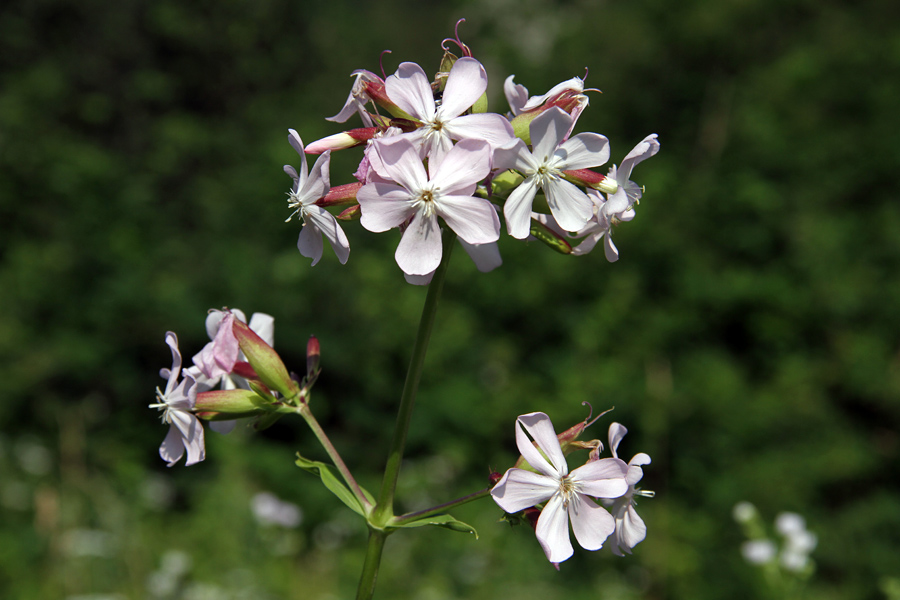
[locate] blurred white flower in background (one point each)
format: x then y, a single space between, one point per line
270 510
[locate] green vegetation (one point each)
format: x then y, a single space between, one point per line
749 336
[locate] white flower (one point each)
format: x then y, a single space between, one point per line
176 403
408 195
219 328
798 542
356 101
567 495
308 188
743 512
758 552
630 528
543 169
410 90
618 204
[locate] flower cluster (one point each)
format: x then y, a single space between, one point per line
433 153
797 542
570 497
240 362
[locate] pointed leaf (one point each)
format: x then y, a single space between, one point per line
442 520
331 480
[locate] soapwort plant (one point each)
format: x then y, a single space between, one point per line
436 165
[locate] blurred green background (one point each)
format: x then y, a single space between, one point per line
749 337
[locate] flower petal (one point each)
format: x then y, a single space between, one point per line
583 151
517 209
541 430
617 431
570 206
317 184
631 529
297 144
172 448
485 256
553 530
490 127
467 163
604 478
400 162
420 249
473 219
591 522
310 242
264 326
644 150
548 131
520 489
465 85
329 227
383 206
409 89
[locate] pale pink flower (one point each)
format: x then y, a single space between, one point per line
630 528
358 98
176 403
410 90
410 196
617 206
308 188
219 327
543 169
568 496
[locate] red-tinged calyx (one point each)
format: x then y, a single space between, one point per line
342 140
265 361
340 195
377 92
592 179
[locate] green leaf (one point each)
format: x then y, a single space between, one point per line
331 480
442 520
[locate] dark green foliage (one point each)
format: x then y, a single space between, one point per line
749 336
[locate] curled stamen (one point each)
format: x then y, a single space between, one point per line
466 51
588 422
381 62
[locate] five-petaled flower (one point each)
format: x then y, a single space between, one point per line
176 403
308 188
568 496
543 169
410 90
416 199
630 528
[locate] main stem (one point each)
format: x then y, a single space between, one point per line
384 510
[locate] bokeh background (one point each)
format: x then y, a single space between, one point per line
749 337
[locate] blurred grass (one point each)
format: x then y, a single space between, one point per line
748 337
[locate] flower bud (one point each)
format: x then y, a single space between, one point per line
340 141
550 237
264 360
340 195
312 358
592 179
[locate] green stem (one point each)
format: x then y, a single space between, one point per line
370 567
385 508
304 411
440 507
